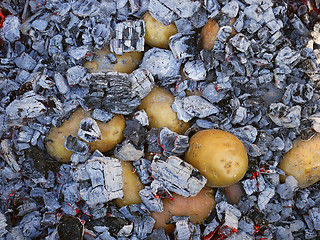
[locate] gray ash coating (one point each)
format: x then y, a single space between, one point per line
261 84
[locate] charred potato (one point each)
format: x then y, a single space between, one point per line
158 34
303 161
131 186
198 208
111 135
124 63
219 156
157 105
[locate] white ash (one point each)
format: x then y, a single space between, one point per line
153 203
195 70
229 224
285 116
142 82
129 37
128 152
231 9
161 63
178 176
79 52
265 197
158 189
76 74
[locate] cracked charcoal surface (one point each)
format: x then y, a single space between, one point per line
260 83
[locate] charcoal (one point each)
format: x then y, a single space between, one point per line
216 92
298 93
3 225
158 234
161 63
240 42
183 45
195 70
142 167
70 192
162 11
178 176
211 227
239 116
231 9
135 133
84 8
284 116
172 143
239 23
79 52
115 89
89 130
230 224
142 117
254 12
287 57
8 155
248 133
142 82
224 33
184 25
283 233
252 26
247 225
152 203
51 201
222 207
70 228
101 115
143 226
74 144
184 228
152 140
30 225
160 191
75 75
25 61
129 37
128 152
265 196
315 118
212 6
193 106
274 26
11 28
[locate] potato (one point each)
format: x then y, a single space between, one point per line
131 186
219 156
111 135
210 31
157 105
209 34
303 161
158 34
126 62
198 208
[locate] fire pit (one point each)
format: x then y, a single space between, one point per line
99 100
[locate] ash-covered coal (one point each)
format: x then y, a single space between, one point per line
260 81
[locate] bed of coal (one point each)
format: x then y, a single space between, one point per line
65 81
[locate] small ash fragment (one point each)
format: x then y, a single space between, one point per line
129 37
8 155
74 144
25 61
128 152
183 45
152 203
11 28
195 70
142 117
265 196
172 143
143 169
284 116
184 228
178 176
193 106
3 225
101 115
76 74
135 133
161 63
89 130
240 42
142 82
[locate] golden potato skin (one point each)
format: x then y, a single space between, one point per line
126 62
303 161
209 34
131 186
219 156
158 34
157 105
111 135
198 208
